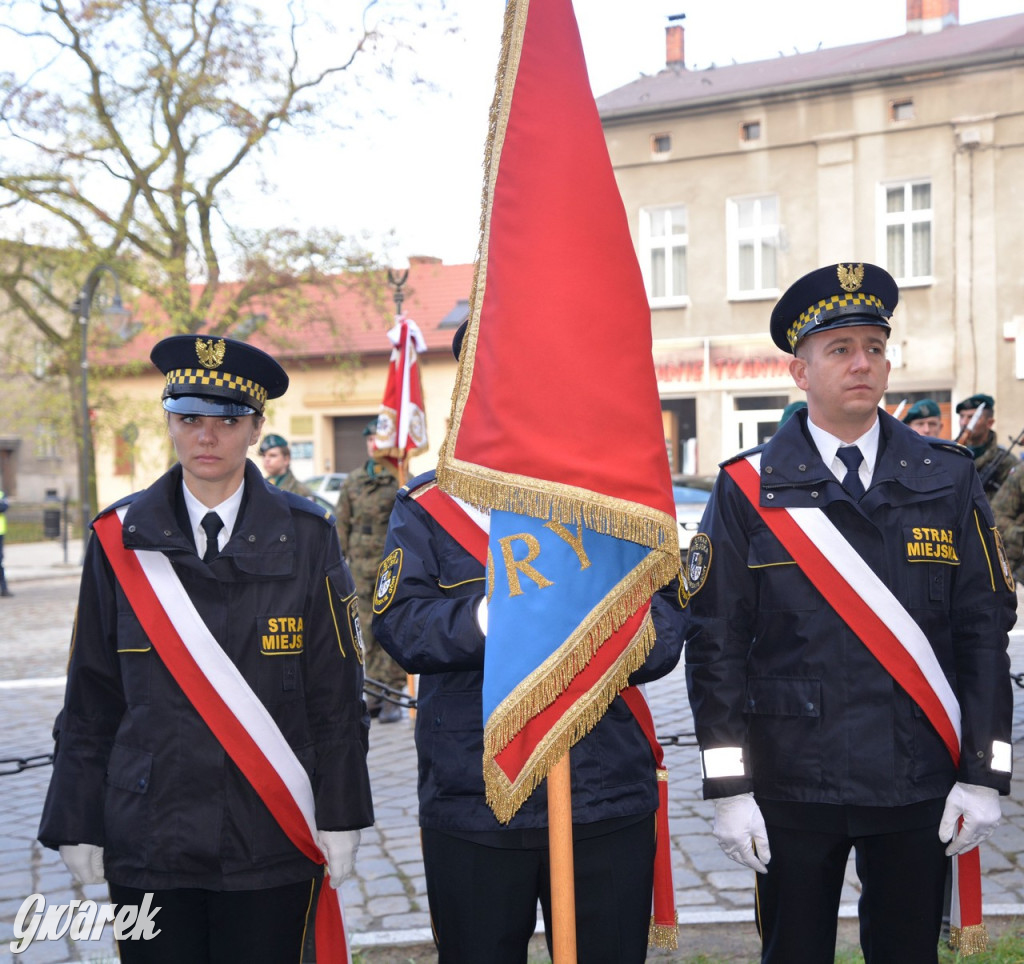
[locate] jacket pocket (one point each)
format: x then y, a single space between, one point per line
773 566
126 813
784 722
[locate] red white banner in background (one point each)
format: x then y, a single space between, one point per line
402 420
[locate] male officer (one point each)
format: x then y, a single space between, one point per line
925 418
989 456
162 759
849 614
277 464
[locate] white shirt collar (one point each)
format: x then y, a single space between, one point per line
227 510
827 446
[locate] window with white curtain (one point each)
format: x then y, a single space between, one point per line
906 219
752 230
663 240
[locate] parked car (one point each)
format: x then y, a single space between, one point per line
327 486
691 495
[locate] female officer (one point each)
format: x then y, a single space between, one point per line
160 779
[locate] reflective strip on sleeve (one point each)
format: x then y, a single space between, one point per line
1002 757
722 761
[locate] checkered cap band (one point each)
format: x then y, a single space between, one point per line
186 380
832 307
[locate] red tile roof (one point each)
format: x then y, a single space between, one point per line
960 45
349 319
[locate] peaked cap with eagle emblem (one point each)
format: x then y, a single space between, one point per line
216 376
836 296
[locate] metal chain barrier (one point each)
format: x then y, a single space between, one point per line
377 690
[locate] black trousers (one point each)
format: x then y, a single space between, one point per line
483 899
902 879
220 927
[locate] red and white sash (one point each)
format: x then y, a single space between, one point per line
879 620
462 523
227 704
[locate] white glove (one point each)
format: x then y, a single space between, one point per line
339 847
980 809
85 861
481 615
738 824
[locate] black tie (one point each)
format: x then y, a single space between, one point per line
852 458
212 524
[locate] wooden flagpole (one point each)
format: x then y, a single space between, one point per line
563 888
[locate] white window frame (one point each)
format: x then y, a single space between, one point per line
907 219
758 234
667 243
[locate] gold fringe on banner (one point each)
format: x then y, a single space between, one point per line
664 935
969 940
548 682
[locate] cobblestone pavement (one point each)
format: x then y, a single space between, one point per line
386 899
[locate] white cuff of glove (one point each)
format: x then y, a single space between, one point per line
339 847
979 806
740 831
481 615
85 861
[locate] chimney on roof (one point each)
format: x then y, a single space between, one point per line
674 42
930 16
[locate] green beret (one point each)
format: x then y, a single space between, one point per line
969 404
272 442
371 427
789 411
925 408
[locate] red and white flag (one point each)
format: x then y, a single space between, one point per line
402 420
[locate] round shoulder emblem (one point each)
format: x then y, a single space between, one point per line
695 571
387 580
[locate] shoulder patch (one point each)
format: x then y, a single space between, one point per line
1004 563
695 570
388 574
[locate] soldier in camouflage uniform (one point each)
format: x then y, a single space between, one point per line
982 442
1008 508
365 501
277 460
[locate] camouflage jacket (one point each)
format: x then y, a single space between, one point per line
984 458
364 509
289 483
1008 508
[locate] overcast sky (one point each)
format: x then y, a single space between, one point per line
418 173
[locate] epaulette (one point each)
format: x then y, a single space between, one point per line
948 445
418 482
300 502
741 455
114 506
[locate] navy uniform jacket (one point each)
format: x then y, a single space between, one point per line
138 772
430 628
772 669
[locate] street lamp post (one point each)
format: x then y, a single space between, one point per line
397 279
81 308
